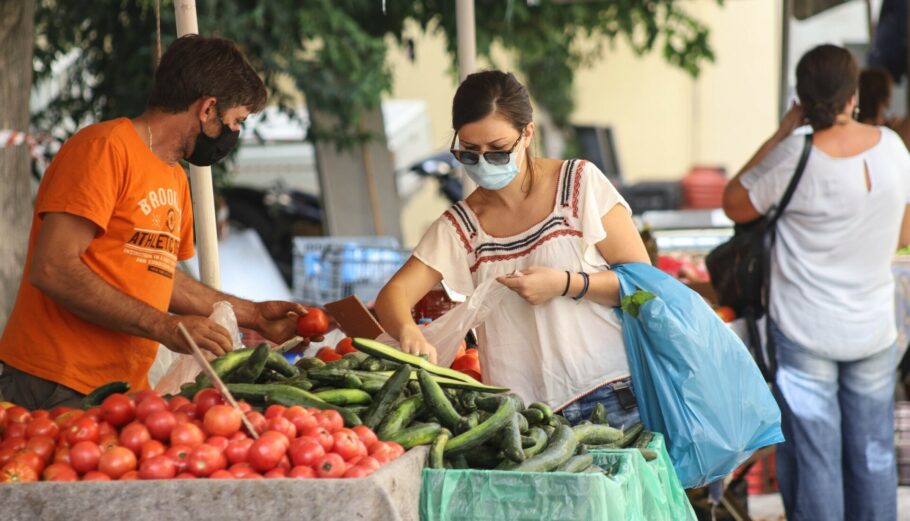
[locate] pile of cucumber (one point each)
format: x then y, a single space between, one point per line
406 399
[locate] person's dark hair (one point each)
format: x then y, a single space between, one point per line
875 86
826 79
195 66
487 92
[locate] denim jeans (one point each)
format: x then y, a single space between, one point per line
617 415
838 419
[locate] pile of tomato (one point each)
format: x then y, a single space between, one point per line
146 436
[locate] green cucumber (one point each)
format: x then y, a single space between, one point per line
345 397
644 441
386 396
485 457
599 414
413 387
336 377
278 363
438 402
436 460
371 364
534 416
467 400
418 434
380 350
223 365
470 421
510 439
629 436
250 370
309 363
356 359
300 382
540 439
491 402
97 396
372 386
523 424
449 383
249 392
400 417
475 437
648 454
544 408
595 434
576 463
561 447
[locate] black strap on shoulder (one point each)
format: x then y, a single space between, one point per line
794 181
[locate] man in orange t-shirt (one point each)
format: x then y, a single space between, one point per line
113 216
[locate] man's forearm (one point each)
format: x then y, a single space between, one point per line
192 297
77 288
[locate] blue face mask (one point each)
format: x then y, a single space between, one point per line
493 177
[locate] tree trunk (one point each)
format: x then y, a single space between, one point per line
17 38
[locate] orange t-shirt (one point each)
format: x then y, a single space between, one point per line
142 207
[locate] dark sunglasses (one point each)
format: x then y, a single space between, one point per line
494 157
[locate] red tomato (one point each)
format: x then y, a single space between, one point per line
314 323
117 461
345 346
327 354
206 459
369 462
108 441
16 414
15 430
357 472
148 406
43 446
62 455
397 449
301 418
276 472
275 410
6 455
366 435
322 436
160 424
41 413
205 400
244 407
238 450
187 434
94 413
241 469
118 410
302 472
305 452
383 452
67 418
144 394
278 436
95 476
84 456
134 435
152 448
15 443
14 472
237 436
42 427
282 425
83 429
186 413
332 420
222 420
725 313
158 467
265 453
180 455
30 458
177 402
3 420
331 466
348 445
184 475
105 430
130 476
257 420
59 472
219 442
221 474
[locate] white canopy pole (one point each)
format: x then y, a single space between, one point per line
467 41
201 179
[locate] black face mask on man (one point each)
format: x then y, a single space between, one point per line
210 150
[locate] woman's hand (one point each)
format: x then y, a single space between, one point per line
792 120
412 341
536 284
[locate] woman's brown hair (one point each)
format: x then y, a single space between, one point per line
875 85
826 79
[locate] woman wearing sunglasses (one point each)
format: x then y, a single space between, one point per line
547 229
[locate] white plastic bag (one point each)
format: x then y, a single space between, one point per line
184 368
447 332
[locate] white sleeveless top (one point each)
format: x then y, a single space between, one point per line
555 352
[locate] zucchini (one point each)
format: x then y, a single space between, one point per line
544 408
599 414
540 439
436 460
510 440
400 417
594 434
629 436
438 402
418 434
387 395
561 447
534 416
278 363
309 363
475 437
250 370
94 398
380 350
345 397
336 377
576 463
223 365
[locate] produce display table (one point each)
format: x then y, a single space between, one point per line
391 494
636 490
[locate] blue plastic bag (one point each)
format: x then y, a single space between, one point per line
694 380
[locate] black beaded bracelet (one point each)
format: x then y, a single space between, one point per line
584 289
568 283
